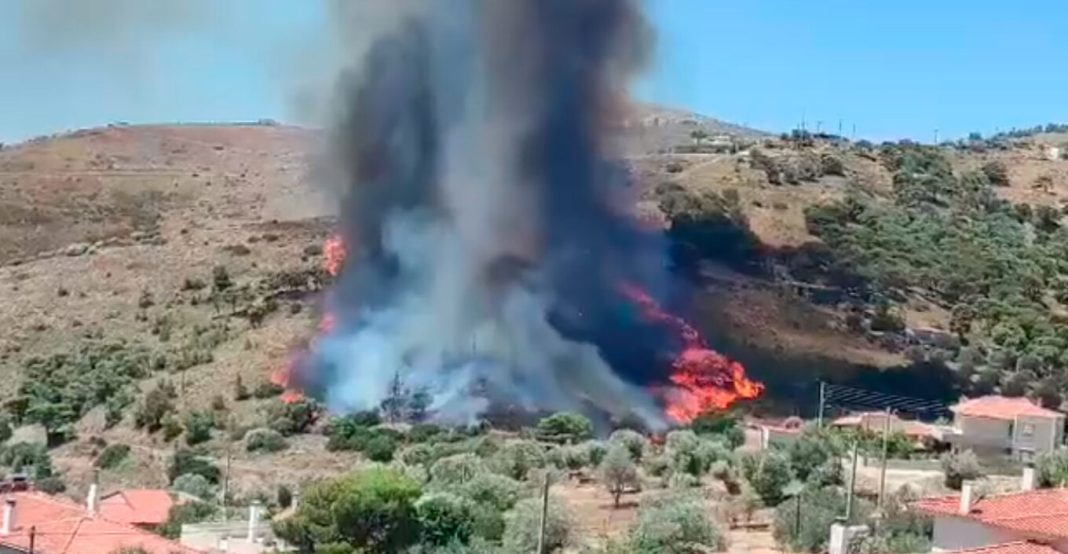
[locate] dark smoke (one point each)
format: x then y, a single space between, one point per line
486 251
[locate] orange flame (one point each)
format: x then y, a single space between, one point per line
334 255
705 379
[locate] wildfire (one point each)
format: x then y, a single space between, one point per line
705 379
333 260
333 254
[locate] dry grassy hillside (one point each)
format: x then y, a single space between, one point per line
105 234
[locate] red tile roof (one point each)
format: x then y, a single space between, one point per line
137 506
1018 547
1034 514
62 527
1001 407
876 421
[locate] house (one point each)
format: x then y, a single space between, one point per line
145 508
42 524
923 434
779 433
1000 425
971 521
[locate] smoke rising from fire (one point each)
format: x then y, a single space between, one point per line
484 259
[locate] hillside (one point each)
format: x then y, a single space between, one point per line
111 238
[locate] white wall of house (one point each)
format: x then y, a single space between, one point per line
955 533
984 431
1037 434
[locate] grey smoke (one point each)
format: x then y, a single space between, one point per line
476 198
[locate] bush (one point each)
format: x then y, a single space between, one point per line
416 455
372 510
996 173
456 470
291 418
380 448
267 389
831 165
265 440
190 461
633 441
112 456
815 457
959 467
618 472
516 458
198 426
240 390
189 512
445 518
194 484
5 428
676 524
172 428
768 473
522 524
723 425
424 432
819 509
31 456
565 427
158 403
1051 468
491 490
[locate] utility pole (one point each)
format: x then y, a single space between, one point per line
882 469
544 515
819 413
854 132
839 127
936 137
851 492
33 537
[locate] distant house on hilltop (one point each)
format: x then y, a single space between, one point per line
998 425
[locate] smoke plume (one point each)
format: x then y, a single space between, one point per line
486 258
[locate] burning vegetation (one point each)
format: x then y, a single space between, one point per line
481 250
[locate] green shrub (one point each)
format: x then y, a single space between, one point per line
112 456
380 448
677 524
5 427
186 513
372 510
198 426
768 473
516 458
31 456
959 467
190 461
456 470
618 472
158 403
172 428
416 454
290 418
831 165
1051 468
194 484
522 525
267 389
424 432
565 427
633 441
819 509
265 440
445 518
723 425
492 490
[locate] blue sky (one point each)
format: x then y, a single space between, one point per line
894 69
